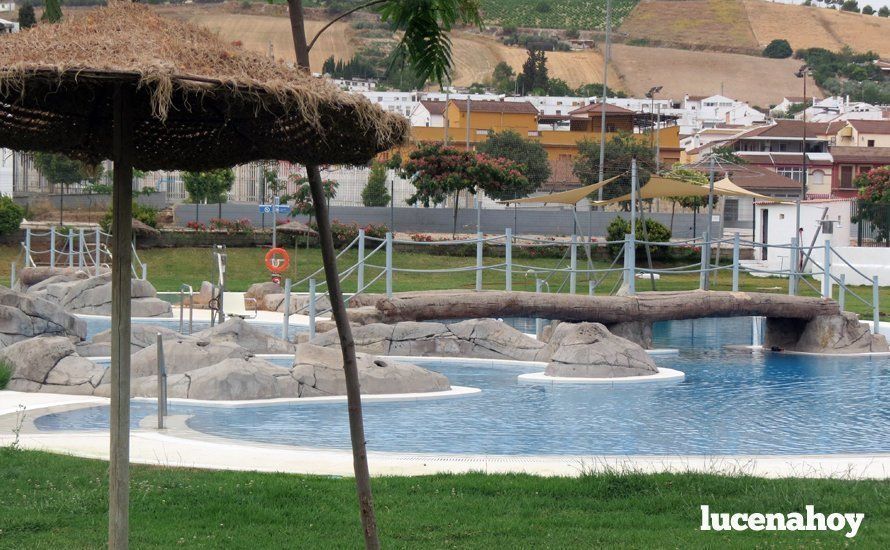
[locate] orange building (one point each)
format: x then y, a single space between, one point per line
468 127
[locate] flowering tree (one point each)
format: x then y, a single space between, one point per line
874 203
302 198
439 172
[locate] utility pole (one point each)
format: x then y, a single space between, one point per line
606 55
802 73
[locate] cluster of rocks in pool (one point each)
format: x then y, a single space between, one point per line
269 296
79 290
827 334
219 363
585 350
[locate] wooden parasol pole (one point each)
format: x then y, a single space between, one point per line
121 234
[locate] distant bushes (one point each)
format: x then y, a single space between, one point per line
778 49
11 215
655 232
144 214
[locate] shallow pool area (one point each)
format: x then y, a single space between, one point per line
730 402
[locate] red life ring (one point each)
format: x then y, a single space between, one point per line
276 264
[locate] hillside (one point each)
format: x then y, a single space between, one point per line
747 26
554 14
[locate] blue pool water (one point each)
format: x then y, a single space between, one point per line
730 402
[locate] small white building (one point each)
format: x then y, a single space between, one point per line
820 220
428 113
7 6
8 26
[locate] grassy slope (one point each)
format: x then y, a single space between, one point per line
49 501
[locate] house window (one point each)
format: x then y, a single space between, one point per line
534 133
611 128
871 143
846 177
793 172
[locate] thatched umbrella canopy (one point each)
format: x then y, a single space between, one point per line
297 228
123 83
200 103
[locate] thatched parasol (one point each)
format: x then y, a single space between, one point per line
297 228
123 83
200 103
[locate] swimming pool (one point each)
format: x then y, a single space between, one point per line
730 402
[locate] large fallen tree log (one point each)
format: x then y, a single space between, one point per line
647 306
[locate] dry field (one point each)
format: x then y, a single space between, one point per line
722 24
815 27
758 80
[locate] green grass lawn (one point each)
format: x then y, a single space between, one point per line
53 501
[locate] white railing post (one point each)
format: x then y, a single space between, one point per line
539 323
705 263
27 246
12 274
80 237
508 258
478 261
736 256
389 264
842 293
70 247
144 271
52 247
360 282
826 268
876 303
630 260
794 267
591 287
573 265
285 323
162 382
97 259
312 293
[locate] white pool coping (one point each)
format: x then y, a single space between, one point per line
663 375
816 354
180 446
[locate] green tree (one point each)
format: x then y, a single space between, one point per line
503 78
874 200
558 87
61 170
596 90
534 79
11 215
850 5
439 172
375 193
52 11
868 10
210 186
884 12
528 154
778 49
425 48
303 203
620 150
27 18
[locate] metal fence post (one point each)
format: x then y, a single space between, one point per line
80 237
705 263
360 281
508 258
842 293
826 268
70 247
591 287
27 246
736 256
98 260
630 268
478 261
144 271
312 292
539 323
389 265
876 299
52 247
573 265
286 321
794 267
11 274
162 382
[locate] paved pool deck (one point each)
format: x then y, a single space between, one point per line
180 446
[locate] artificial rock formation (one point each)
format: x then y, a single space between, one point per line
589 350
476 338
319 371
24 316
92 296
141 336
240 332
182 355
829 334
50 364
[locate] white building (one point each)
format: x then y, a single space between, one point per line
8 26
395 102
6 172
7 6
708 112
355 84
841 108
428 113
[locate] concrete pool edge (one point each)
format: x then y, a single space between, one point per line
181 446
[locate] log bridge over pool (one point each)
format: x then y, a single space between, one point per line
608 310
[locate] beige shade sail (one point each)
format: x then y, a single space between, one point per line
572 196
658 188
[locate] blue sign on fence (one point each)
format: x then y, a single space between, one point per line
269 208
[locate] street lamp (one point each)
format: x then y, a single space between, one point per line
654 138
803 72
